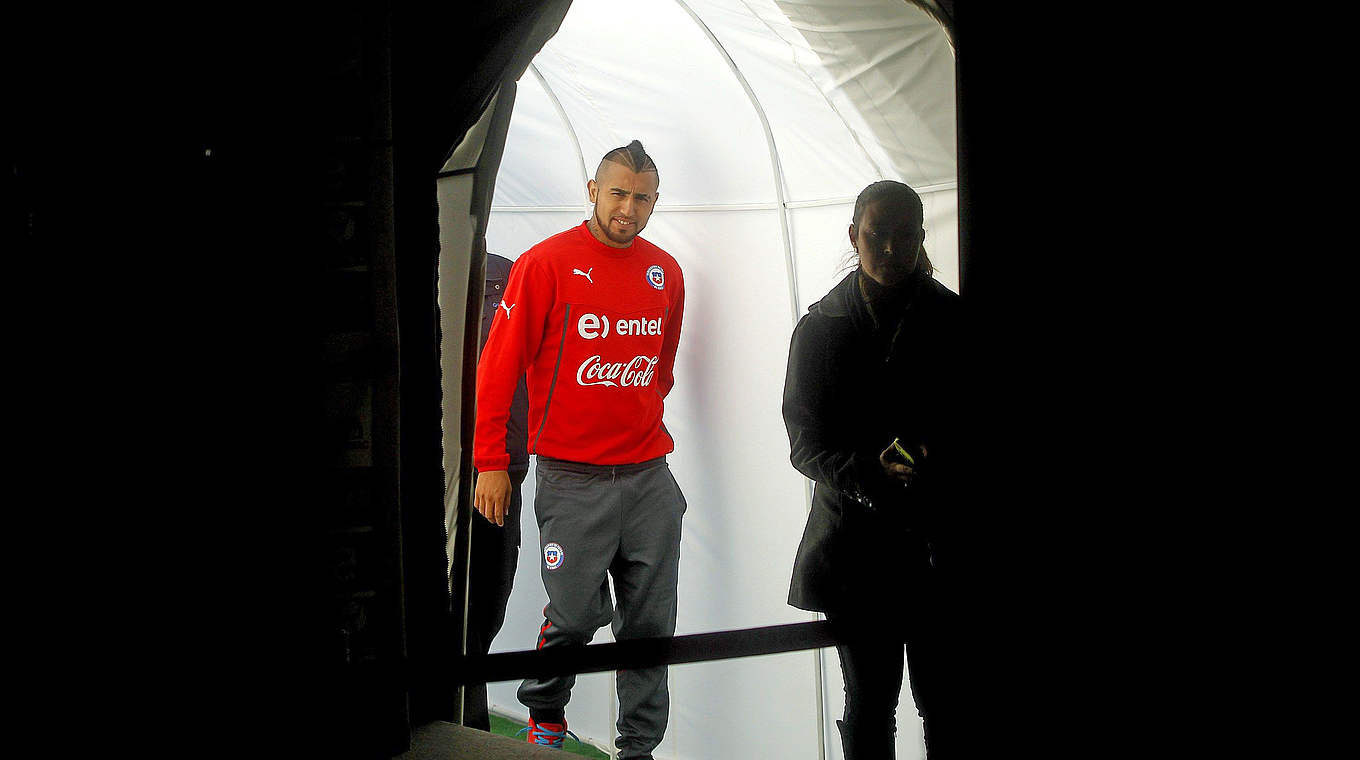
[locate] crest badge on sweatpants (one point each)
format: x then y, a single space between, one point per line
553 556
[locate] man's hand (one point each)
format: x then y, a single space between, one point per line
492 495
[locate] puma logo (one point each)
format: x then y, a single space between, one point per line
507 308
585 274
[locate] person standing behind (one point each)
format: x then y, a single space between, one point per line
593 314
495 548
869 405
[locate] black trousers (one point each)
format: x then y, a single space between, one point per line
871 662
494 554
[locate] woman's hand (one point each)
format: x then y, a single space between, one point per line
894 468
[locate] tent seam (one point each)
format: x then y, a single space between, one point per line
878 170
810 29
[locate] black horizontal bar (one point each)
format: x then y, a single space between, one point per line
644 653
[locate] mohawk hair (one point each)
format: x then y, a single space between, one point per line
632 156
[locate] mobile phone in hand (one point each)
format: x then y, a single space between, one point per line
902 452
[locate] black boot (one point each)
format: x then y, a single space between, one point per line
858 745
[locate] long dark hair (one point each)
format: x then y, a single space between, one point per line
887 188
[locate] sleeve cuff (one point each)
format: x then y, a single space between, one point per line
491 464
867 481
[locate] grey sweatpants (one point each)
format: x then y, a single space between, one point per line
622 520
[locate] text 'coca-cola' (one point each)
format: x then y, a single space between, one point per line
638 372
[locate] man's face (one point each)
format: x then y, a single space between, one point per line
623 203
888 240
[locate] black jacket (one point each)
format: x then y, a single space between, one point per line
852 387
517 427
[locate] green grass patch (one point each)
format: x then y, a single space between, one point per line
507 727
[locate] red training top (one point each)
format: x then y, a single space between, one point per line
596 329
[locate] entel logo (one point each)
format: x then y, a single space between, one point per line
591 326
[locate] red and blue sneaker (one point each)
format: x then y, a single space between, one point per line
548 734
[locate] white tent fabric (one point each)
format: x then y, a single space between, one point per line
765 119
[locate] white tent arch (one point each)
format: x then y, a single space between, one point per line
765 118
566 122
775 164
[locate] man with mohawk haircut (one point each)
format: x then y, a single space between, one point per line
592 316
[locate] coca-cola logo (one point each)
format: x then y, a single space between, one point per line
638 372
